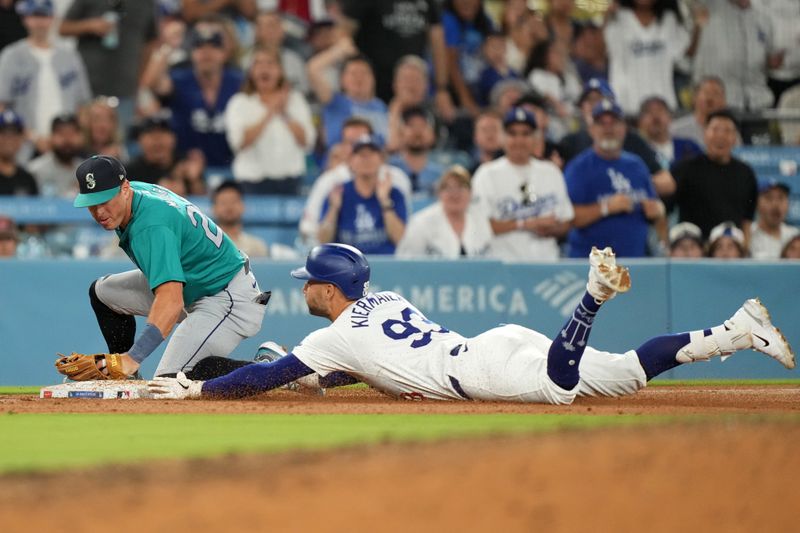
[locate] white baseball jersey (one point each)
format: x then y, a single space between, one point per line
429 234
338 175
386 342
506 191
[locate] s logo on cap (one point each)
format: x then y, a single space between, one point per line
90 183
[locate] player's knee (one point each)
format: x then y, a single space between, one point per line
93 299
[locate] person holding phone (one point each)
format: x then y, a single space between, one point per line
269 129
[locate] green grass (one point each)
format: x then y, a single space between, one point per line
19 390
46 442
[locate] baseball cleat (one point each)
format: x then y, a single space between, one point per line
268 352
754 318
606 278
272 351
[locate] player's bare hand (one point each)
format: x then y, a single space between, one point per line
177 388
129 365
620 203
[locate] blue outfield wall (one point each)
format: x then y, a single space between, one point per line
44 307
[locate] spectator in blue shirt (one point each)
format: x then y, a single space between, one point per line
198 95
466 25
611 191
357 94
367 212
496 69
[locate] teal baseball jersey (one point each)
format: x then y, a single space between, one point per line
169 239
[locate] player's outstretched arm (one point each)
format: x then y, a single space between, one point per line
246 381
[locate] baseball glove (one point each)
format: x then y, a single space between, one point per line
99 366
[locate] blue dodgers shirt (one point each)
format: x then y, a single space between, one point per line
342 107
590 178
198 125
360 222
468 40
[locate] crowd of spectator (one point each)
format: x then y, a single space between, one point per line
527 129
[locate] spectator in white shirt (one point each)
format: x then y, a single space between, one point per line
39 78
270 129
737 44
228 208
770 233
270 33
525 199
451 228
552 76
645 38
785 17
54 169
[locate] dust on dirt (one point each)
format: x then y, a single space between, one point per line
730 474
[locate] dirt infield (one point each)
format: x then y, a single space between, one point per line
654 400
728 475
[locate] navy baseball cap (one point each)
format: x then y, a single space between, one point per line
368 140
606 106
771 183
35 8
204 36
597 84
99 180
10 120
519 115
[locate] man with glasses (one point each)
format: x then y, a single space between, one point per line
525 199
611 189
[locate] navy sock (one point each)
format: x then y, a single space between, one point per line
567 348
658 354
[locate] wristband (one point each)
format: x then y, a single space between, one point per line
148 341
604 208
388 206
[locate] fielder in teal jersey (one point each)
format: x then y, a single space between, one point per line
189 272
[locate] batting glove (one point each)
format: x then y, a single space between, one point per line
178 388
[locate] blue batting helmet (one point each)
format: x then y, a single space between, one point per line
339 264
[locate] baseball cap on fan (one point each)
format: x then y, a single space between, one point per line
99 180
35 8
